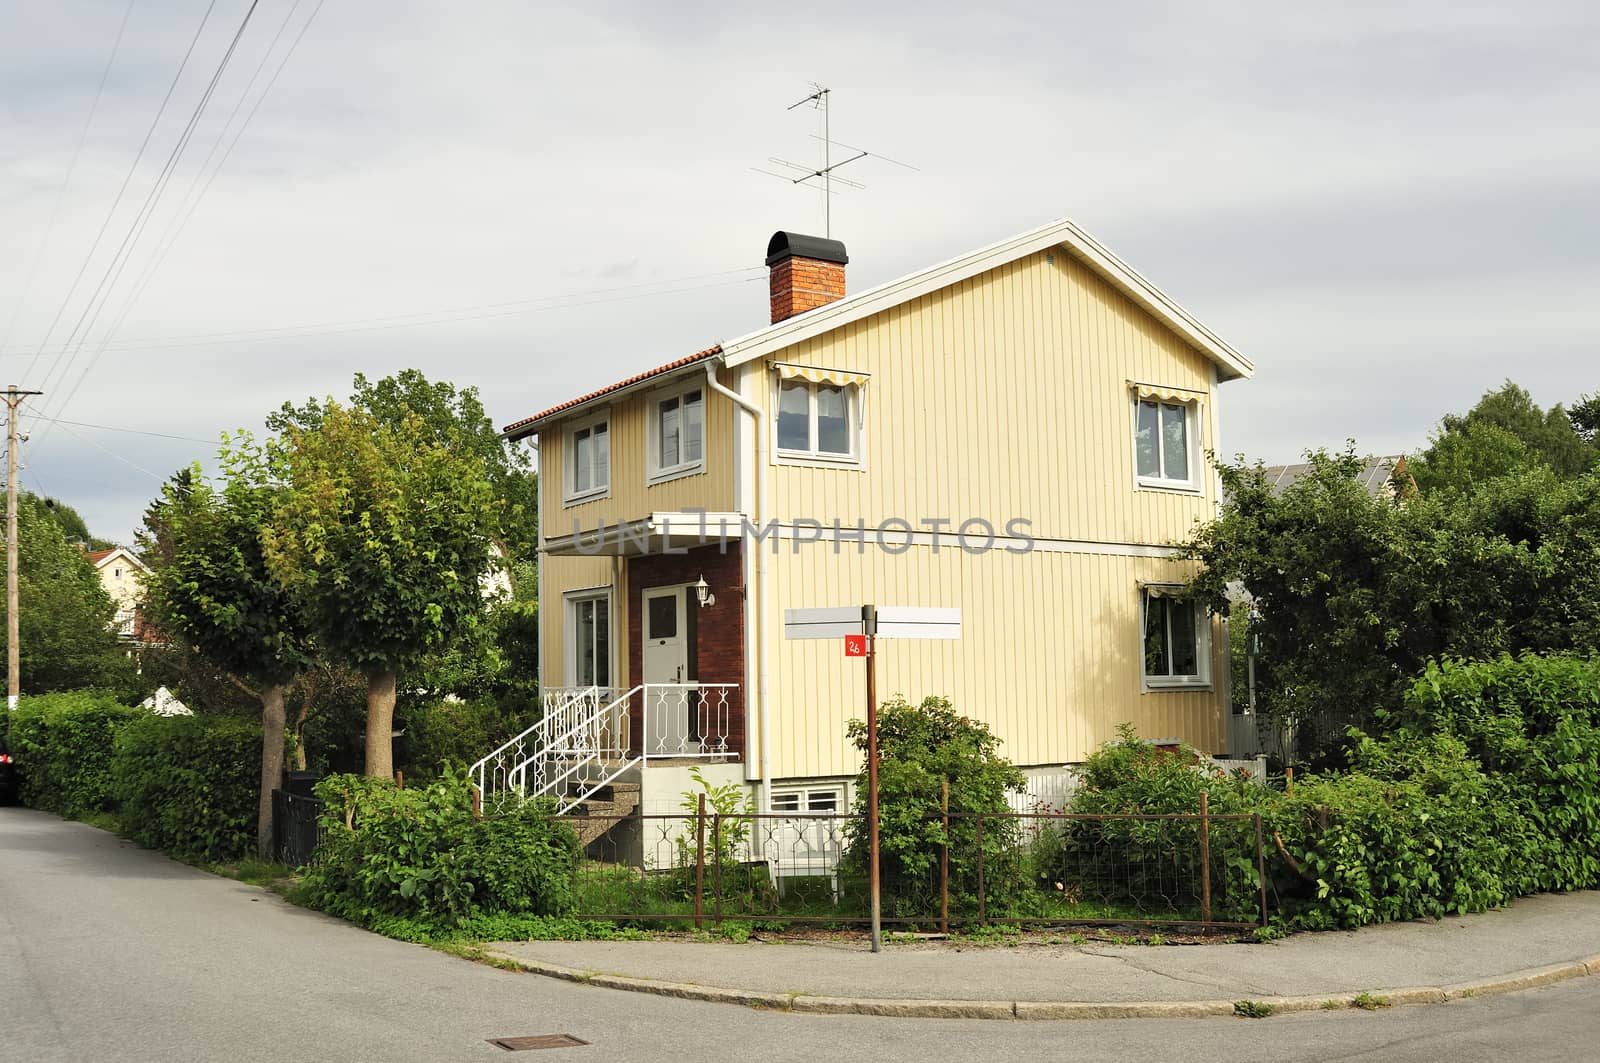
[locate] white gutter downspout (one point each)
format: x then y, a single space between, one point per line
759 561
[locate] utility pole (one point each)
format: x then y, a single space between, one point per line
14 399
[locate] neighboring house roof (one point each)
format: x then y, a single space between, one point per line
102 558
1063 233
1375 475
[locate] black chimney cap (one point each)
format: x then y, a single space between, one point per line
797 245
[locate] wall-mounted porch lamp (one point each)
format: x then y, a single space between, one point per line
702 591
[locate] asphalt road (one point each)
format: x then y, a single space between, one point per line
108 952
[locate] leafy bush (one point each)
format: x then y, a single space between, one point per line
419 854
62 744
920 746
189 784
449 731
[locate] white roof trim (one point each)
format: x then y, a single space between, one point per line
1062 233
120 552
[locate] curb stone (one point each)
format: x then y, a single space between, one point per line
907 1008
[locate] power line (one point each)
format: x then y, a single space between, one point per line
191 202
72 166
124 253
96 444
132 168
742 275
130 431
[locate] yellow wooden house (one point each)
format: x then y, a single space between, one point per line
1020 432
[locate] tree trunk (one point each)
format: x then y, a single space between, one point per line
308 690
272 735
380 724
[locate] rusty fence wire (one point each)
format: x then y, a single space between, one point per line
699 869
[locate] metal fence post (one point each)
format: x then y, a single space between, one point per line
983 919
944 860
699 862
1205 858
1261 867
716 877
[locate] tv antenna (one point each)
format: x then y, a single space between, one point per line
818 100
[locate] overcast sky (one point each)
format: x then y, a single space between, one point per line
1389 207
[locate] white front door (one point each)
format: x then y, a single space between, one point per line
666 660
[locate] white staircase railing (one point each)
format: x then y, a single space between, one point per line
583 739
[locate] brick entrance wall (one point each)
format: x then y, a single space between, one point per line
717 652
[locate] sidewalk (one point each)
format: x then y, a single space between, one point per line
1537 940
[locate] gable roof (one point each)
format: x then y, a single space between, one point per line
102 558
1062 233
1065 233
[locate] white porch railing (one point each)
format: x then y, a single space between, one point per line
689 720
583 739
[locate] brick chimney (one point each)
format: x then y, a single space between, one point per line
805 273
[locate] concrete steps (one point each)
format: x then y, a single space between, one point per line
613 799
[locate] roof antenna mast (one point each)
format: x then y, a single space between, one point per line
818 100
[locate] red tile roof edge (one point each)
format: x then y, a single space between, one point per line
618 386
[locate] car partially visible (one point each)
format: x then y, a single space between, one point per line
9 783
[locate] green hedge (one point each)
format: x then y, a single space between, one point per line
63 745
189 784
1486 789
419 854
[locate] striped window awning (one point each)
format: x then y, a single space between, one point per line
1164 393
1163 590
821 375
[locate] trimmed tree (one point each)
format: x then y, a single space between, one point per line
381 542
209 587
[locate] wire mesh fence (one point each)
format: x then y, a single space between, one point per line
958 870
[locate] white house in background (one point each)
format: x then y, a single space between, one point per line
122 575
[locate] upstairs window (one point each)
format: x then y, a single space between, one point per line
588 472
677 434
818 420
1164 435
1176 640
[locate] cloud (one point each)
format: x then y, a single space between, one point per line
1390 208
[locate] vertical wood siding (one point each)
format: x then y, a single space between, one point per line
1006 396
563 574
630 497
1050 655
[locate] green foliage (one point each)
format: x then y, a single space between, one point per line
419 854
448 731
209 585
1506 432
1356 594
1252 1009
1367 1002
920 746
382 537
188 784
73 527
62 744
64 617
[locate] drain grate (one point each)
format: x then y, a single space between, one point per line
544 1040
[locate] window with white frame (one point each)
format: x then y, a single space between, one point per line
677 433
588 461
1163 442
817 800
1176 639
818 420
589 639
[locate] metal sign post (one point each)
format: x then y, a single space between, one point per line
867 624
869 627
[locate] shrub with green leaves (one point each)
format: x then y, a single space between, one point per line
62 744
449 731
919 747
188 784
420 854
